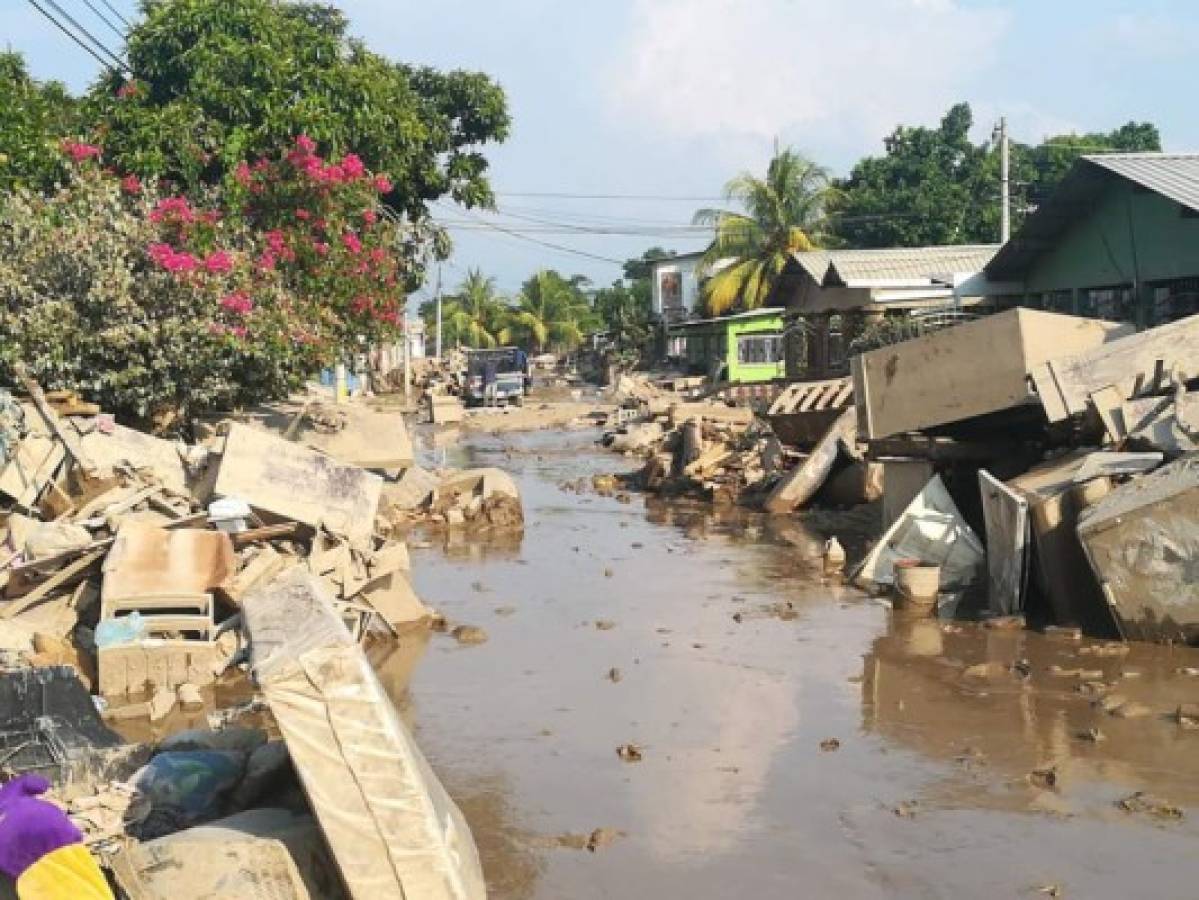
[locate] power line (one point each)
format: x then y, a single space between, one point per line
567 196
87 34
552 246
112 9
103 18
71 35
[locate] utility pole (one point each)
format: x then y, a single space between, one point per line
407 362
439 311
1005 183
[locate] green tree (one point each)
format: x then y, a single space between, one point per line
931 187
218 81
473 316
935 186
34 119
785 212
624 314
551 311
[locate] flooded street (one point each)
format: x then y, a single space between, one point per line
796 738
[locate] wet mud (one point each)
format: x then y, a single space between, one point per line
795 737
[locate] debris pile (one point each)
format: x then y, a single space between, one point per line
137 570
1047 464
478 499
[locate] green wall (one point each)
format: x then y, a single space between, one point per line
1098 249
710 340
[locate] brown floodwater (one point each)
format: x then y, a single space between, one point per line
928 793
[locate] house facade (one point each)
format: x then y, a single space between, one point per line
745 348
1118 239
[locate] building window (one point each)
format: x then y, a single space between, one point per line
753 349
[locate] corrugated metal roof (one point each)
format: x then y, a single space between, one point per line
893 265
1173 175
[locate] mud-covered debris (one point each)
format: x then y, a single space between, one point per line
1050 890
614 675
906 809
1192 671
469 634
604 624
1005 623
605 485
1091 735
828 745
602 837
439 623
629 752
1187 715
1079 674
1140 802
1113 648
738 617
1063 632
987 671
505 610
608 573
1130 710
1044 777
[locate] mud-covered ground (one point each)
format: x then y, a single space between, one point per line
796 739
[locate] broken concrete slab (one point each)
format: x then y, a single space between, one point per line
968 370
1108 464
1142 541
480 482
412 489
117 447
392 597
392 828
294 482
1134 364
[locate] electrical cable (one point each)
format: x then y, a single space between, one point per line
120 64
112 9
103 18
72 36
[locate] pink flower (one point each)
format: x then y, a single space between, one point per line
127 90
238 302
172 260
321 248
370 217
360 305
378 255
266 262
172 208
238 331
305 144
332 175
242 173
79 151
131 185
275 240
303 215
352 166
383 184
351 242
218 262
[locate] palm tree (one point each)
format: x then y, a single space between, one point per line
474 314
549 311
783 213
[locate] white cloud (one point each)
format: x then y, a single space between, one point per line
836 74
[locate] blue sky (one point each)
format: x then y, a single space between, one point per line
667 99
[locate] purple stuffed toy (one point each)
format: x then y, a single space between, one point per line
30 828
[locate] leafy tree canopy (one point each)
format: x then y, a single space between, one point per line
935 186
217 81
34 118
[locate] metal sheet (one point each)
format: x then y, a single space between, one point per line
1005 514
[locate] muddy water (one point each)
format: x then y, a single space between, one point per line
926 796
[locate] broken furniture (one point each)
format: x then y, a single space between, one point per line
804 411
960 373
1142 540
390 824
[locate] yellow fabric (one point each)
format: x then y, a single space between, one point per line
69 873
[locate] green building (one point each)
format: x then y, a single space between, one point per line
744 348
1118 239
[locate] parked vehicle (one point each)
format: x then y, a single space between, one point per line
496 377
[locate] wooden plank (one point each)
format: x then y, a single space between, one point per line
32 467
61 578
801 483
1064 383
265 533
69 442
1005 514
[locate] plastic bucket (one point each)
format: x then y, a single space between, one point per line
916 584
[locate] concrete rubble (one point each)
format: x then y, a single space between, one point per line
133 571
1046 463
